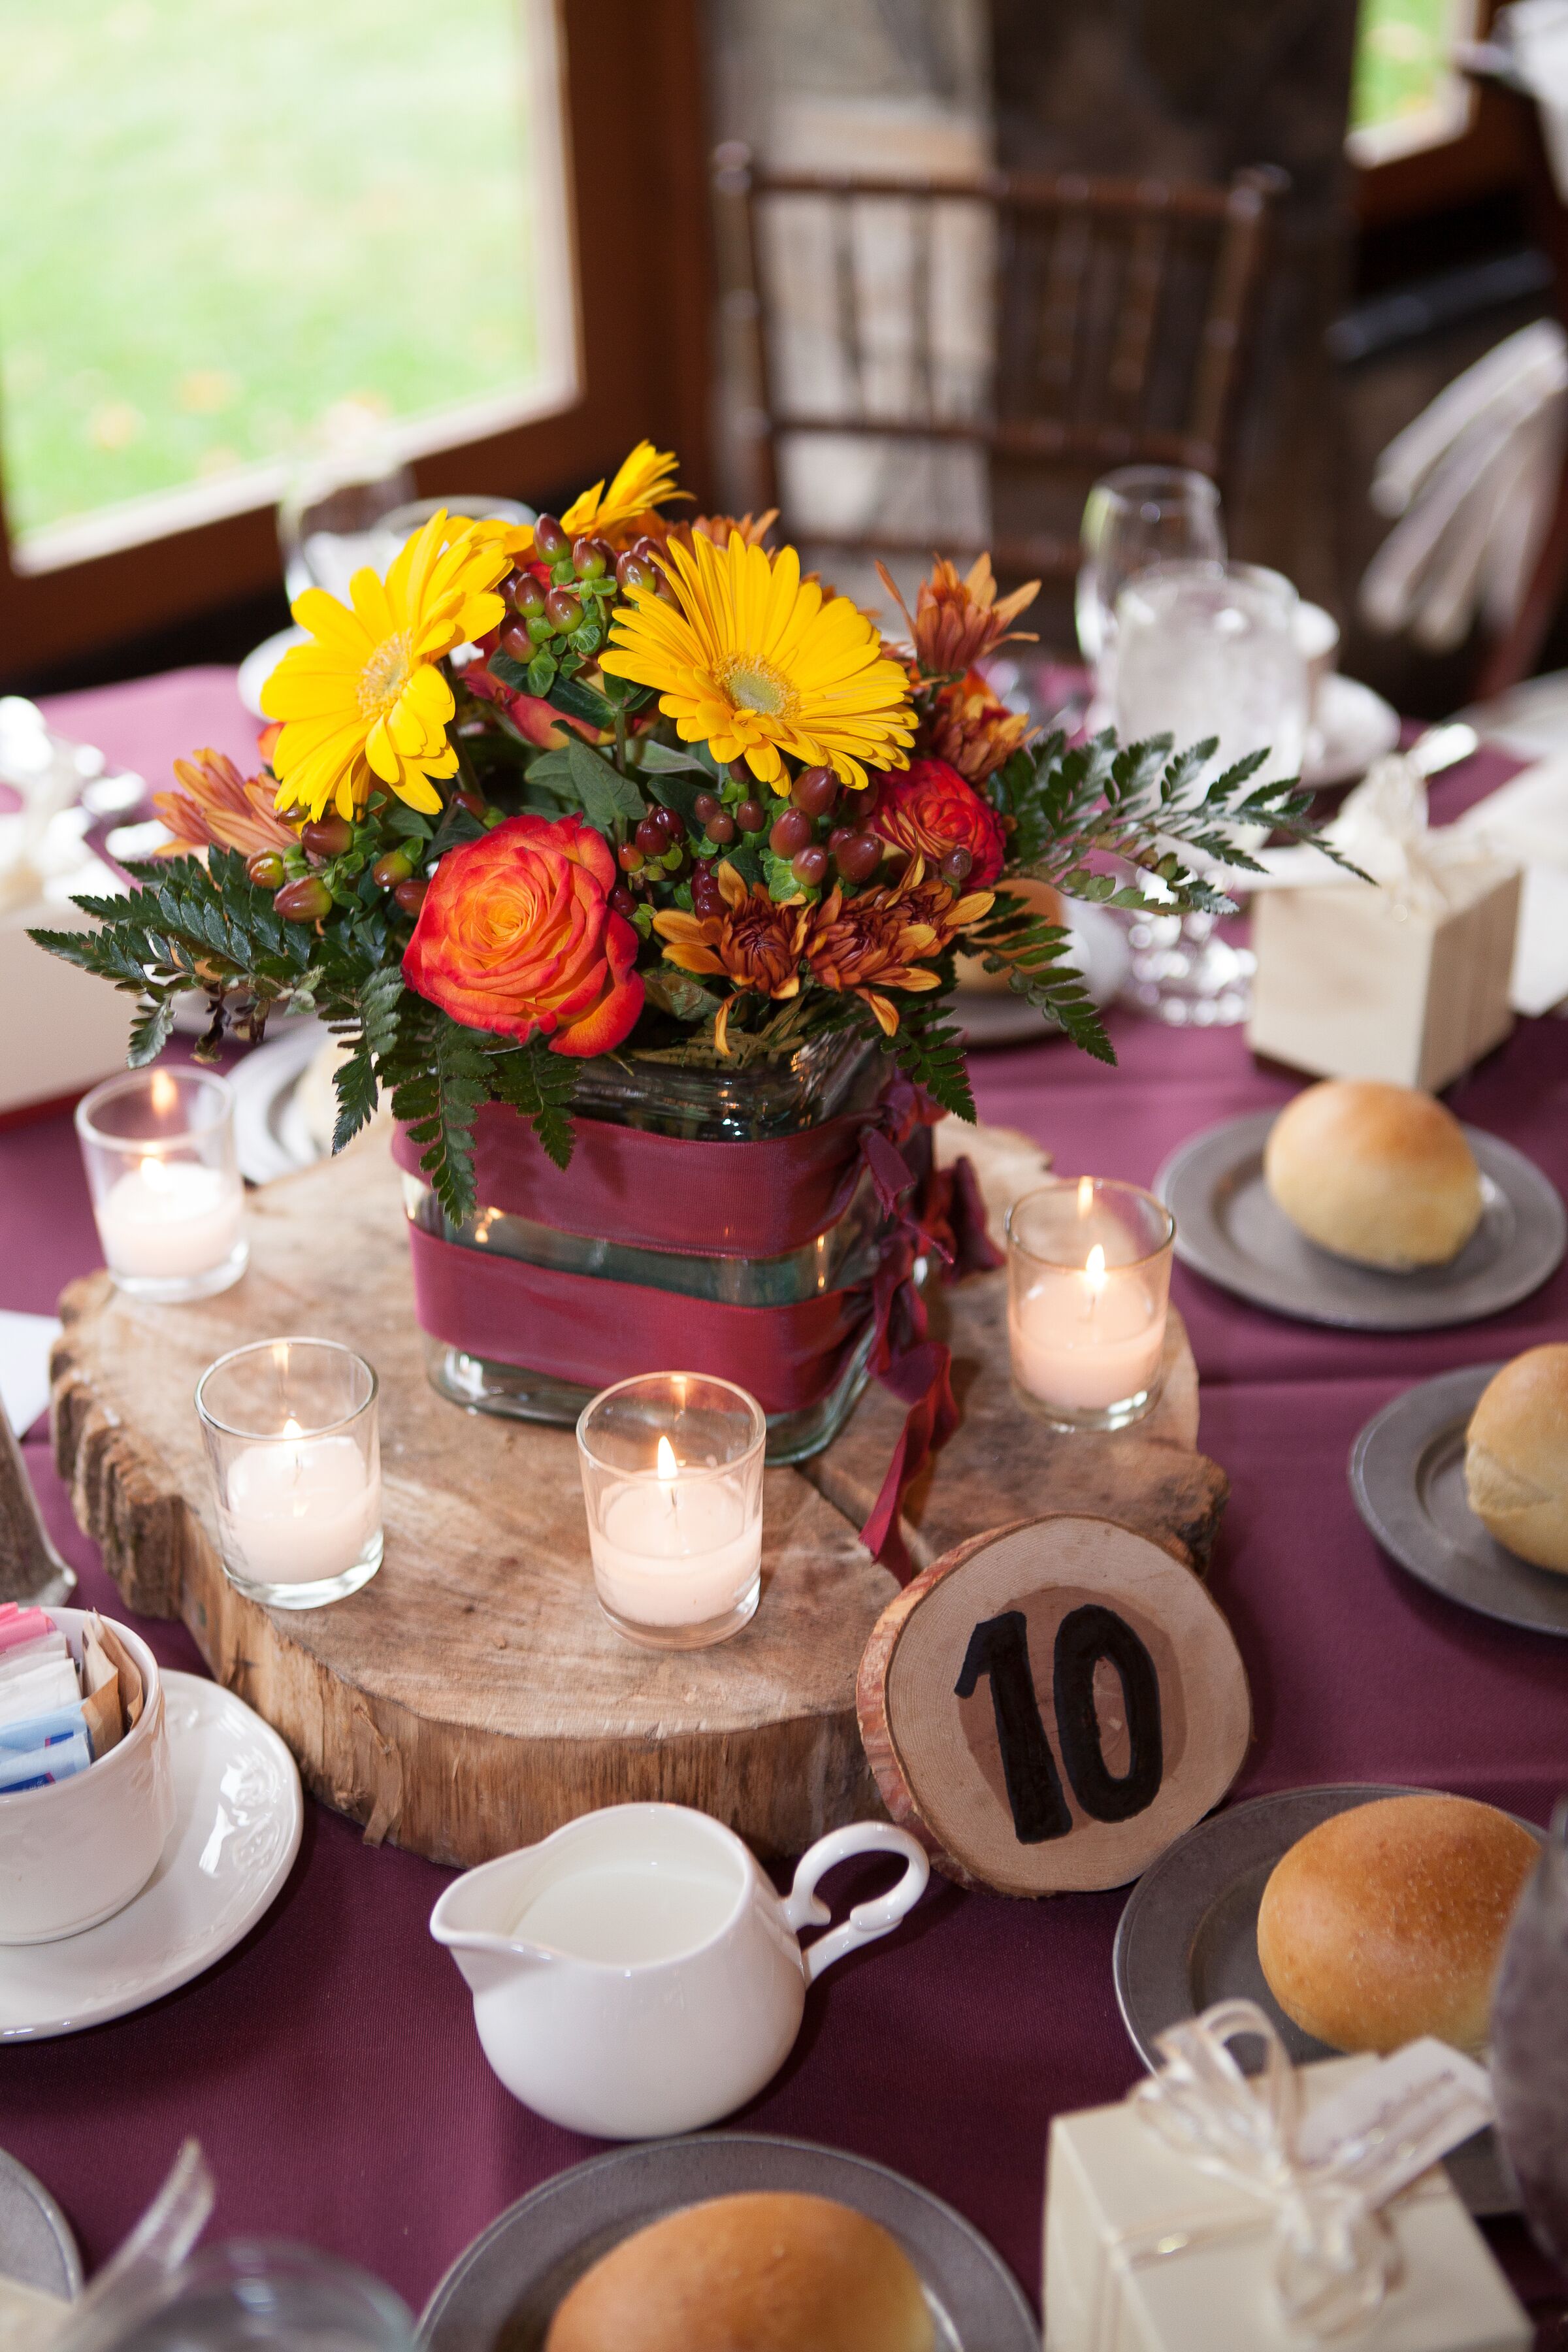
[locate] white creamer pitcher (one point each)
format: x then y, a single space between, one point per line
636 1974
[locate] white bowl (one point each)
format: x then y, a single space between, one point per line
77 1852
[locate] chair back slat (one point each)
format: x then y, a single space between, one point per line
1056 324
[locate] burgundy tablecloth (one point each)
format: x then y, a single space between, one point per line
329 2065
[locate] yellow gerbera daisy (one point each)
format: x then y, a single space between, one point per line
646 479
365 701
754 662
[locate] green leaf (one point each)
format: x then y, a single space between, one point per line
932 1054
354 1080
605 793
152 1029
540 1084
783 883
406 824
540 678
508 671
676 992
580 701
658 759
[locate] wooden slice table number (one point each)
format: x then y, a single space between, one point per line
1052 1704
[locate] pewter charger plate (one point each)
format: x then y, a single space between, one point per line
36 2243
500 2295
1188 1938
1408 1474
1228 1229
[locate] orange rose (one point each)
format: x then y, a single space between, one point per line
517 935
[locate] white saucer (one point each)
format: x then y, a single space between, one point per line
260 664
1353 728
239 1813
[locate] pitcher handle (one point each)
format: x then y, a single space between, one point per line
866 1921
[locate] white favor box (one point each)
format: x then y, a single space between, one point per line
1114 2190
63 1029
1353 981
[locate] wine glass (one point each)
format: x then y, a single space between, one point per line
1138 516
1206 649
339 490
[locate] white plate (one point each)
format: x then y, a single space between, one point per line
1353 728
1103 957
260 664
269 1136
239 1813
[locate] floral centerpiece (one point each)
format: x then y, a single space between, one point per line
626 794
683 801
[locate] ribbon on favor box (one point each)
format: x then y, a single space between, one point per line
1317 2182
740 1199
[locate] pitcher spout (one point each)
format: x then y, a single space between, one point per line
476 1915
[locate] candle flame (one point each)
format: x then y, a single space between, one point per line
1085 1195
155 1173
165 1093
668 1465
291 1428
1094 1270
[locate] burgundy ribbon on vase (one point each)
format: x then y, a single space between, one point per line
759 1199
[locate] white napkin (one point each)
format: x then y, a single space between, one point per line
25 1344
1527 819
1382 828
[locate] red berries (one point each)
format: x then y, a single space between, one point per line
721 828
562 611
809 866
629 858
550 539
705 806
621 900
326 836
791 832
956 865
305 901
651 836
815 790
634 571
410 895
750 817
856 855
267 869
388 871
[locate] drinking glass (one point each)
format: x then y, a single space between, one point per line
672 1478
1206 649
258 2293
339 490
1135 516
291 1436
158 1146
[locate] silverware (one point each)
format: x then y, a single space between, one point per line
31 1569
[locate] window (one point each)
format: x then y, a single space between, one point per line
226 217
1406 95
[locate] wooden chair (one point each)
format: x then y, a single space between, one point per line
1115 319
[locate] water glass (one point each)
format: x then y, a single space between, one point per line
291 1436
1207 650
257 2293
672 1478
1135 516
158 1146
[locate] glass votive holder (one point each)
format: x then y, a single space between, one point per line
290 1432
1089 1280
672 1478
166 1192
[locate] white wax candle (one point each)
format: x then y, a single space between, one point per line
301 1509
165 1218
678 1552
1086 1341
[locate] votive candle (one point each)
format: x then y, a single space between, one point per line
1088 1283
158 1145
292 1435
672 1481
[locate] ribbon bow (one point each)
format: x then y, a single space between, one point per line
1335 2257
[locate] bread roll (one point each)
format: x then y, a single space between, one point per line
1387 1921
755 2274
1515 1457
1376 1173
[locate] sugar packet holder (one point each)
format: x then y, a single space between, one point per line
1212 2211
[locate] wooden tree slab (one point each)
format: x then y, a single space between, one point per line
1052 1705
472 1697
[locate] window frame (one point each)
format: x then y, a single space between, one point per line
632 127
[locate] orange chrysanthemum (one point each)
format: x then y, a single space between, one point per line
972 728
885 939
213 807
957 620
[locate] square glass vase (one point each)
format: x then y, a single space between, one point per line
824 1078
